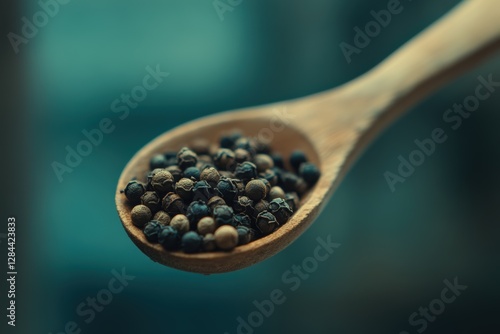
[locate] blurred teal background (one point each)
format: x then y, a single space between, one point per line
397 248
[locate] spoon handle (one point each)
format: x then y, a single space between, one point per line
449 47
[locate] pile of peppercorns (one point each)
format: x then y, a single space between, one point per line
209 197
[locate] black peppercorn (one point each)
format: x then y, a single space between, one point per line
151 231
310 173
133 191
227 189
152 200
242 155
209 243
203 191
186 158
263 146
297 158
260 206
224 215
243 205
169 238
140 215
229 140
242 219
192 173
246 171
246 144
162 182
162 217
266 222
278 160
276 192
211 175
225 159
215 202
226 174
293 201
158 161
281 210
184 188
192 242
263 162
244 235
256 190
289 181
270 176
195 211
173 204
301 186
267 184
176 172
200 146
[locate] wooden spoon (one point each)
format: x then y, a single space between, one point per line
332 127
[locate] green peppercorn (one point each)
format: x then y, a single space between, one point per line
242 155
266 222
245 171
225 159
256 190
140 215
211 176
281 210
151 200
293 201
276 192
184 188
206 226
163 182
173 204
180 223
263 162
226 237
133 191
215 202
209 243
176 172
186 158
162 217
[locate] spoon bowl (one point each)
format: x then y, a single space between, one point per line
332 127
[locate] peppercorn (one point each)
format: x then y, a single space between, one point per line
204 161
242 155
162 217
260 206
301 186
243 205
278 160
310 173
227 189
169 238
256 190
133 191
151 231
229 140
176 172
246 171
266 222
262 146
149 177
263 162
209 243
184 188
200 146
267 184
203 191
140 215
224 215
289 181
158 161
206 226
240 185
186 158
276 192
293 201
171 155
242 219
180 223
195 211
297 158
163 182
173 205
246 144
226 237
244 235
281 210
226 174
270 176
225 159
211 175
215 202
151 200
192 173
192 242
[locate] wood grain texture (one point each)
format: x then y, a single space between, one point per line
332 127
